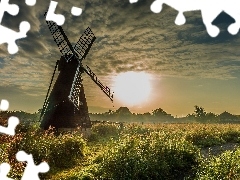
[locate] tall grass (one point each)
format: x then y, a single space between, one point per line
132 151
62 151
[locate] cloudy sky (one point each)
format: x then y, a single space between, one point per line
187 67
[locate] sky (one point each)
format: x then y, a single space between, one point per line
185 66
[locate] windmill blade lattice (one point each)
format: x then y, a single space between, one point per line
61 39
93 76
76 88
84 43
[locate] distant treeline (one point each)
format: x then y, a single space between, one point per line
123 114
22 115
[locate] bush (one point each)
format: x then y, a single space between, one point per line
232 136
58 151
136 129
104 130
205 138
65 150
153 156
225 166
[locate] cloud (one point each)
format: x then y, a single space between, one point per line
140 40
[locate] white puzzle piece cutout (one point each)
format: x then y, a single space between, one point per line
8 35
12 121
51 16
4 170
59 18
31 171
210 9
12 124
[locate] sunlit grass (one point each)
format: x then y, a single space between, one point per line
131 151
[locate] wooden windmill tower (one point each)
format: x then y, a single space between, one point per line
66 106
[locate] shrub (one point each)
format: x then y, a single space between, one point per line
136 129
153 156
232 136
58 151
205 138
225 166
104 130
65 150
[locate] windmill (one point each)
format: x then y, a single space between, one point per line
66 106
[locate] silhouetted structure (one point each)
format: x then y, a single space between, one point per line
66 106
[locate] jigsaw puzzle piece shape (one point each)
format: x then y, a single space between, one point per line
4 170
234 28
9 36
208 16
59 18
12 124
51 16
12 121
232 9
31 171
156 7
208 9
4 105
12 9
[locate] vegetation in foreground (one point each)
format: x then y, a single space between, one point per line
131 151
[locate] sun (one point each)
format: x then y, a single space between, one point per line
132 88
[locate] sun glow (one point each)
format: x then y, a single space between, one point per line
132 88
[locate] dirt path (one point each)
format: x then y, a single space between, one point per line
216 150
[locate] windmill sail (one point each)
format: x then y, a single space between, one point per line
93 76
76 89
84 43
62 41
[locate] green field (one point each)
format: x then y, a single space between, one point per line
131 151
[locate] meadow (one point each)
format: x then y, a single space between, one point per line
132 151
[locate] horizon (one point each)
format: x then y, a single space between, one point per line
104 110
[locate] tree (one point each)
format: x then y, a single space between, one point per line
123 111
159 112
191 116
109 112
226 116
147 114
199 112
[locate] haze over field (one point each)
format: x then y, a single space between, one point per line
172 67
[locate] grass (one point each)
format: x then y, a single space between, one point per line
135 151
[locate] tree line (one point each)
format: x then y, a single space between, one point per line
123 114
159 115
